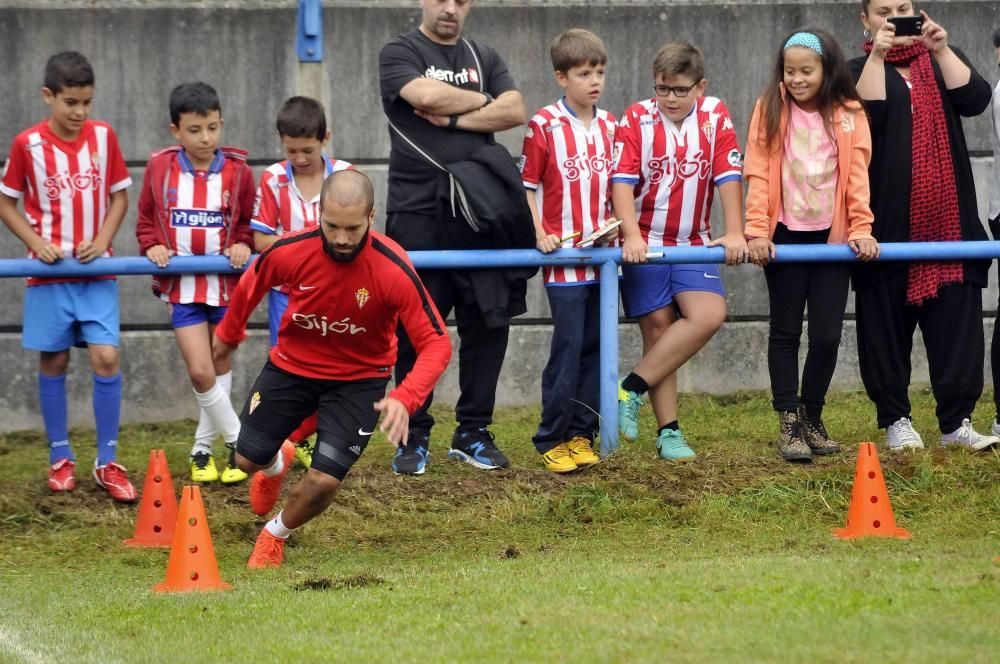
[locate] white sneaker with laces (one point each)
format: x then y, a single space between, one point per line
900 435
966 436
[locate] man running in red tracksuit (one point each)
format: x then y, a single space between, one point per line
348 288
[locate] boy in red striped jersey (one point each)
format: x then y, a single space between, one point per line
671 152
288 201
196 200
566 170
70 172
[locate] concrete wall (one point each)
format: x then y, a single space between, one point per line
245 49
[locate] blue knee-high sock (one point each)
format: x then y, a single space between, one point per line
52 397
107 409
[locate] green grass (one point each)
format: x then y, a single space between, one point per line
727 558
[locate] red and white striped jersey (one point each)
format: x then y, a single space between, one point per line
197 202
65 185
280 207
675 171
568 165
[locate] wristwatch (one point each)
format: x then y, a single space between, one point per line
453 122
489 99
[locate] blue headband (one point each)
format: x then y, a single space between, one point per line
806 39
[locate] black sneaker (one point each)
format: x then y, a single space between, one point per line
412 458
477 447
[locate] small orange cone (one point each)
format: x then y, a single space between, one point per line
870 514
192 564
158 509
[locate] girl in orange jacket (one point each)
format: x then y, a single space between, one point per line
807 167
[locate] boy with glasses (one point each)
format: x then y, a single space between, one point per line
671 152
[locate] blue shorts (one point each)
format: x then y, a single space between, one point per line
645 288
196 313
75 313
277 304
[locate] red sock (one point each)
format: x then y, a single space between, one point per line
306 429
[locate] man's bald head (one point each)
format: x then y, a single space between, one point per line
348 188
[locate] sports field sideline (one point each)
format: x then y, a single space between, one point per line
729 558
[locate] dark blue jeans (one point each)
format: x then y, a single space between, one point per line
570 381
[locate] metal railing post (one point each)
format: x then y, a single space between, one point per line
609 357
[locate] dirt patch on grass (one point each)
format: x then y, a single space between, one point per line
340 583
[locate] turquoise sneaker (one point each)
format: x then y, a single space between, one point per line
629 404
673 446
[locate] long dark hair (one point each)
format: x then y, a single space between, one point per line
836 90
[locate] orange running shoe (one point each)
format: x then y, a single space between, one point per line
264 490
113 478
61 476
269 551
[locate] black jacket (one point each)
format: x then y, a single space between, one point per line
891 169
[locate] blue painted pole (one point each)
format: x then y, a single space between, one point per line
309 31
609 357
903 251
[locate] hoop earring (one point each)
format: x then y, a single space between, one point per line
867 35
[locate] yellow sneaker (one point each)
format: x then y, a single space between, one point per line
581 452
203 468
231 474
304 453
559 460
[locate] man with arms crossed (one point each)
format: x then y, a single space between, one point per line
448 95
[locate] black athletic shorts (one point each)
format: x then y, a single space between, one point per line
280 400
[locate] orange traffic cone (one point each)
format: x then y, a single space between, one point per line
192 564
158 509
870 513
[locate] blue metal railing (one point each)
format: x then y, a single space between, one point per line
608 260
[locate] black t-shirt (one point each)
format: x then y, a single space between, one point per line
465 65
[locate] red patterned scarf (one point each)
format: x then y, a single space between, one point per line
933 194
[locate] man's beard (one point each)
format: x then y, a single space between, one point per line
341 257
448 32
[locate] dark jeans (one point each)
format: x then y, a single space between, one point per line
570 381
481 349
952 327
790 288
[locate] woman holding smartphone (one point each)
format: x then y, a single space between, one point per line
916 89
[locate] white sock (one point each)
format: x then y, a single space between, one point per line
277 527
220 411
226 381
276 466
204 435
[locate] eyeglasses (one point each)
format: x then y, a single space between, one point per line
679 91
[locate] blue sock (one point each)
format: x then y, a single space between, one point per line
52 397
107 409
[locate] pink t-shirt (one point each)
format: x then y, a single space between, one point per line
808 173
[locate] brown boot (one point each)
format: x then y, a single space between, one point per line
815 435
791 445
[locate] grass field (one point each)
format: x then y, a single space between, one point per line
728 558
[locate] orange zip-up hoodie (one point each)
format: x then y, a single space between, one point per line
852 215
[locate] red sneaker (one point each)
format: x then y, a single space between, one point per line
264 490
61 476
113 478
269 551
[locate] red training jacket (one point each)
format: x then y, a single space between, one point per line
156 199
342 317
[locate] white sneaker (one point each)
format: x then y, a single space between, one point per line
900 435
966 436
995 429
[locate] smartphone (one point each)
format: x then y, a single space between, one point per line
907 26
